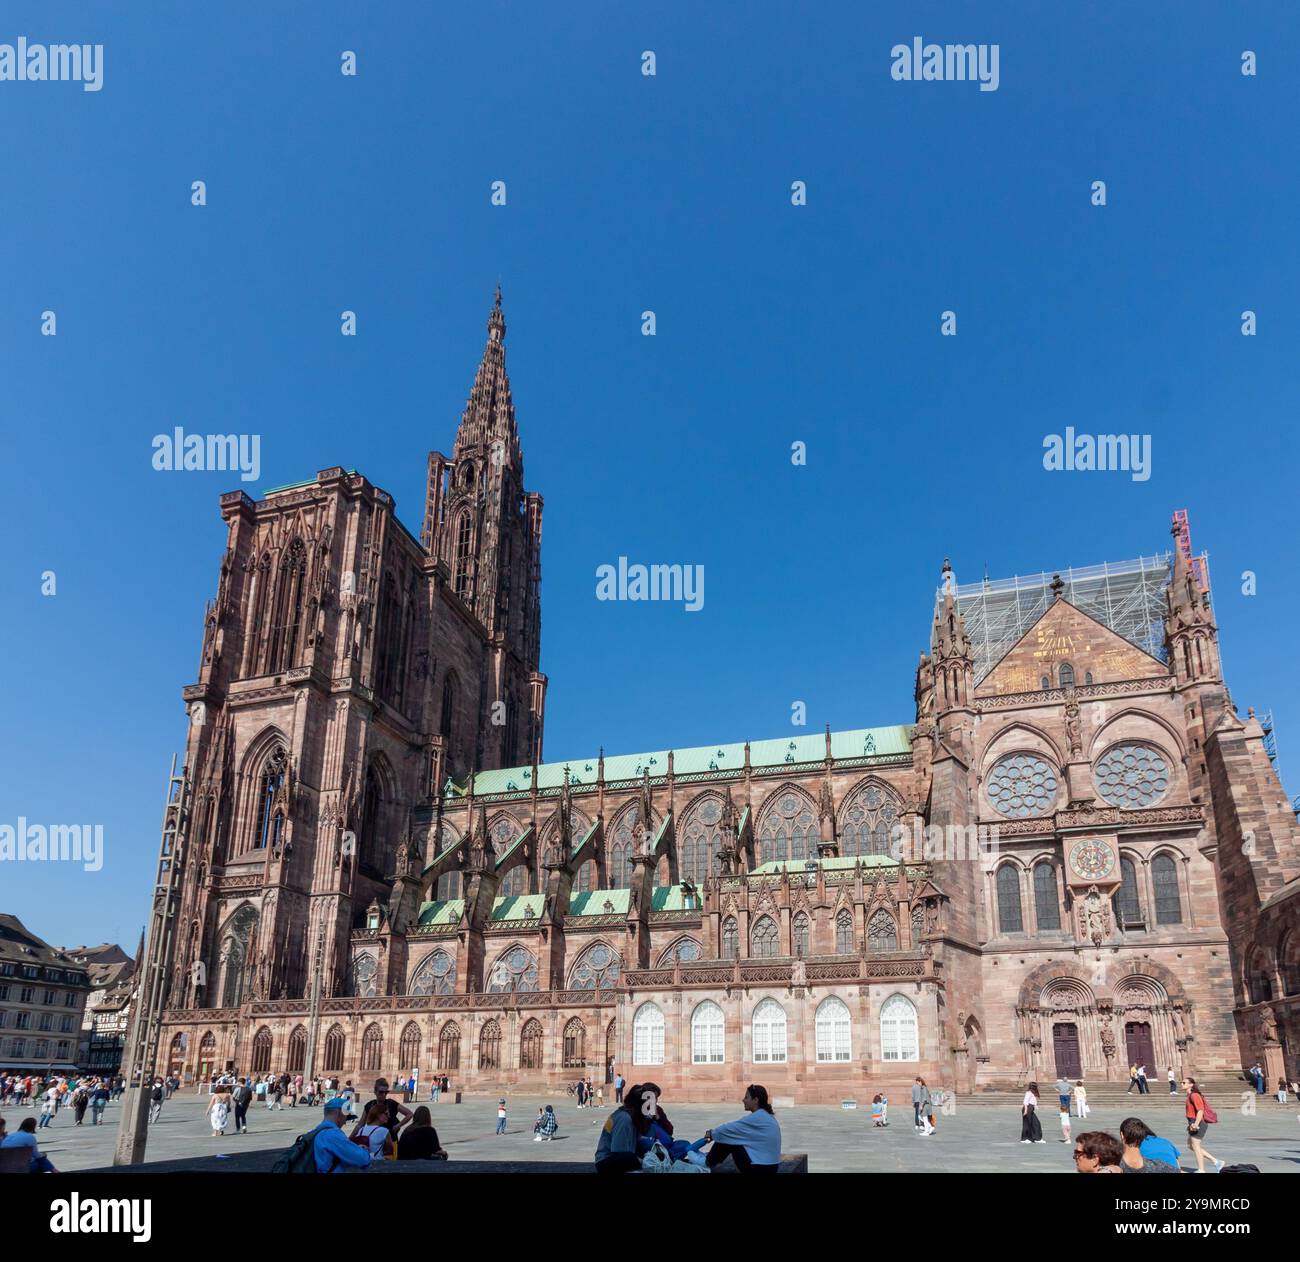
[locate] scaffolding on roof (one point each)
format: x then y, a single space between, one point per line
1126 596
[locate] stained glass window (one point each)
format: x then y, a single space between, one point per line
1022 785
799 930
408 1048
530 1045
867 821
788 829
575 1045
372 1048
765 940
596 969
844 944
1128 906
882 932
514 971
1132 776
1010 919
436 975
685 949
700 838
364 970
1047 903
489 1046
730 939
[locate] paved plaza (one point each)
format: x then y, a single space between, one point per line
977 1137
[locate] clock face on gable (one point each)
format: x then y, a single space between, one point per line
1091 860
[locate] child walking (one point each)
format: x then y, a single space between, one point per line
1065 1123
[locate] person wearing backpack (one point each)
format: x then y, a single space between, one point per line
1200 1117
243 1098
326 1149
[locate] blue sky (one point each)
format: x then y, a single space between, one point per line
775 324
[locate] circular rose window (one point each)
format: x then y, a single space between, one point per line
1022 785
1132 776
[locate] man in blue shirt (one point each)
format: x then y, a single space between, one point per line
335 1153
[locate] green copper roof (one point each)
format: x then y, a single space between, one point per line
444 912
518 907
831 865
593 903
858 743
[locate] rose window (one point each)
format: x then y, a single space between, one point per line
1132 776
1022 785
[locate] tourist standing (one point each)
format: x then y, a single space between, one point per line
1065 1123
580 1090
501 1117
243 1096
926 1110
1063 1092
1281 1090
436 1090
753 1142
1143 1086
918 1092
98 1102
80 1099
1031 1129
218 1112
1199 1119
1173 1081
618 1088
1080 1096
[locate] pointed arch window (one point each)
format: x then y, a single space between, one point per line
765 940
287 621
460 569
768 1033
867 821
1128 905
448 706
335 1044
648 1035
708 1034
449 1046
530 1045
388 641
1066 675
235 946
700 840
513 972
844 935
1164 880
834 1031
918 924
372 1048
799 932
1047 900
575 1045
297 1056
1010 919
489 1046
621 848
371 862
270 798
788 829
408 1048
597 968
882 932
261 1051
436 975
730 939
684 949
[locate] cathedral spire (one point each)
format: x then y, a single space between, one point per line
487 426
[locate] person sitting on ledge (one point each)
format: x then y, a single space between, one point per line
419 1141
753 1142
333 1151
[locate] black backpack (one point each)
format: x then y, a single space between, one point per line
300 1157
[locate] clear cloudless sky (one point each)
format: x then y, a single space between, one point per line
776 324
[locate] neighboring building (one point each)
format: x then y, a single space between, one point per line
371 811
42 997
108 1006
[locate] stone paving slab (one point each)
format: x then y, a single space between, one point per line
973 1139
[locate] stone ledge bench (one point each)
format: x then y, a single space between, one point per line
261 1163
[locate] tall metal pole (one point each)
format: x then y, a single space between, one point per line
140 1064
